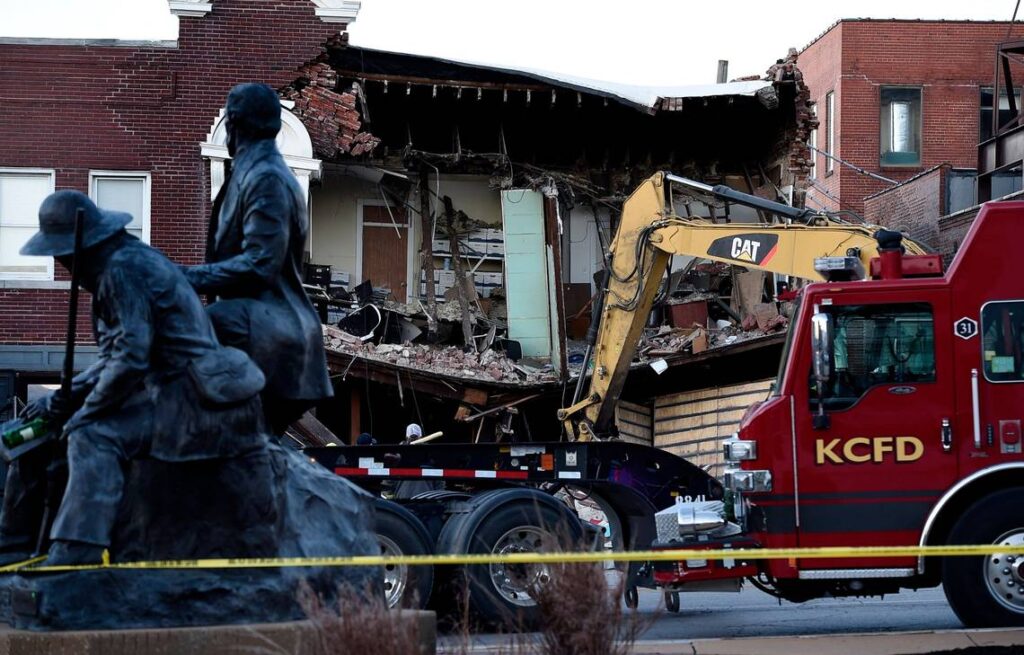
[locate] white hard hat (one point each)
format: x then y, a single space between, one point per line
413 430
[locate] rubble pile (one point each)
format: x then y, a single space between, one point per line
444 360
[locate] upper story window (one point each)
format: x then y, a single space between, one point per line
22 190
1002 330
900 122
830 131
985 112
126 192
814 146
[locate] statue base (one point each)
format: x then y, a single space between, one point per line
294 638
273 502
140 598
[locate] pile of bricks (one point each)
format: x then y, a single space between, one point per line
444 360
330 117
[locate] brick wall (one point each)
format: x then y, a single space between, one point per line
140 107
952 230
948 60
820 67
913 207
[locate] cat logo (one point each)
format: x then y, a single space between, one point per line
750 248
859 450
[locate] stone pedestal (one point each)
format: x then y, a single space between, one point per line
273 503
294 638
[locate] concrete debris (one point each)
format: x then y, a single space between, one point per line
670 342
444 360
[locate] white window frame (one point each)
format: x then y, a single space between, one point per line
830 138
48 275
147 186
814 147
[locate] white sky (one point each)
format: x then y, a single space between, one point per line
659 42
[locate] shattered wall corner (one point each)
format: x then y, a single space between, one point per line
332 118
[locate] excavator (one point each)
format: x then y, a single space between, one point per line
800 243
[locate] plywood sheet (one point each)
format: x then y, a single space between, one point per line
693 424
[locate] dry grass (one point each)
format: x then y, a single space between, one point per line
580 615
361 623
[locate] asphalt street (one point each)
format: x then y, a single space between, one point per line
752 613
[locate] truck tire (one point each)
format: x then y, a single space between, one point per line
672 601
988 591
507 521
399 532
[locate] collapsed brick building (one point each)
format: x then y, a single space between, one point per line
389 147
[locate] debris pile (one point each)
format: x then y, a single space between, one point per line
444 360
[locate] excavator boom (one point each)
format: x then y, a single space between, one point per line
650 233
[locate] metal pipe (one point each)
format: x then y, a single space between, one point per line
975 409
732 195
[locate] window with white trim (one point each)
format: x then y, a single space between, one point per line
830 131
124 192
22 190
814 145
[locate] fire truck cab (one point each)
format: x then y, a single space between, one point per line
896 421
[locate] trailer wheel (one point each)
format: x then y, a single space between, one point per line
399 532
631 597
508 521
989 591
672 601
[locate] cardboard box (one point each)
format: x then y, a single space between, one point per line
442 246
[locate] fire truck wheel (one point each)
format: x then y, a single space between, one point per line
672 601
989 591
399 532
509 521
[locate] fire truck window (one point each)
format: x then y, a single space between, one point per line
1002 328
877 345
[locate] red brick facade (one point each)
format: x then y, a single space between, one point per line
144 107
913 207
948 60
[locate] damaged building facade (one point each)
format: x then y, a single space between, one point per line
459 213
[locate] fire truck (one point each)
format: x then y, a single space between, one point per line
893 422
896 421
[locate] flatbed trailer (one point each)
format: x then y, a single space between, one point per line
501 498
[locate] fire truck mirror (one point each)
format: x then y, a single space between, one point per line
821 347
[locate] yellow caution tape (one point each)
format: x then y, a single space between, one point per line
676 555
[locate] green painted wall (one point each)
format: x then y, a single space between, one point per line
526 271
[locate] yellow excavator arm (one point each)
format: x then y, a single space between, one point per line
649 233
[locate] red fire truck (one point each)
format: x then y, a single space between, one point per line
896 420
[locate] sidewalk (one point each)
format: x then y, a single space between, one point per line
901 643
892 643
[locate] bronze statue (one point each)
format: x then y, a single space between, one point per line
257 235
166 436
163 388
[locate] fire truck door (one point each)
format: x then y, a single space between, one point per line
990 378
871 476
